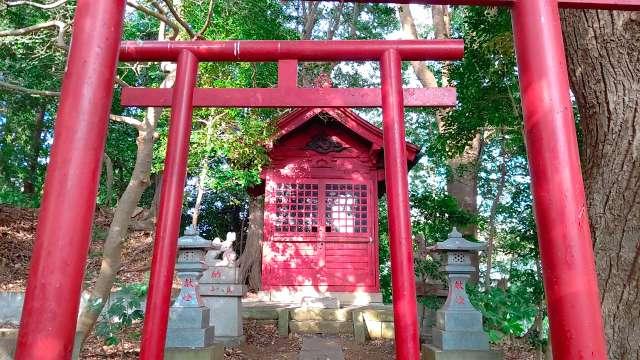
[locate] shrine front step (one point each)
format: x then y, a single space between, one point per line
324 327
362 322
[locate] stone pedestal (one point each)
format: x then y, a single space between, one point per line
430 352
189 328
458 333
222 293
213 352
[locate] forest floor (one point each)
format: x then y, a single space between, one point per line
17 232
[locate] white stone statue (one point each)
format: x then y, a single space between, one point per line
226 248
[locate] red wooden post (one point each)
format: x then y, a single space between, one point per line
169 212
395 159
66 215
556 182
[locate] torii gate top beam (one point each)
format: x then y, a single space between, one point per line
304 50
627 5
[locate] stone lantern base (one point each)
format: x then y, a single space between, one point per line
213 352
430 352
189 328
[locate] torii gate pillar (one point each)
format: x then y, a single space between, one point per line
562 218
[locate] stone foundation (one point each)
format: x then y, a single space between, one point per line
213 352
429 352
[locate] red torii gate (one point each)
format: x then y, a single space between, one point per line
62 239
183 97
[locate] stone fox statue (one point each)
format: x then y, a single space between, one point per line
225 248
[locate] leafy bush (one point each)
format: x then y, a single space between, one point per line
121 313
507 312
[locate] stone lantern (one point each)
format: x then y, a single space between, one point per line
458 332
189 333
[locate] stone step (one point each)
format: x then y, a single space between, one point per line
321 327
320 348
259 313
378 314
306 314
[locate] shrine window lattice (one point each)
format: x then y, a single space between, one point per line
296 208
345 208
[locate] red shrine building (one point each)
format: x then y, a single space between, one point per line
321 207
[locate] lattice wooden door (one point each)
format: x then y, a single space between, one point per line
321 233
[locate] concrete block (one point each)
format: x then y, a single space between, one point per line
319 348
378 314
321 327
222 290
459 320
359 328
190 338
189 317
460 340
303 314
320 355
430 352
231 341
259 313
8 338
387 330
283 322
225 315
213 352
326 302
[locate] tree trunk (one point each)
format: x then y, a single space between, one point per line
604 60
462 183
251 258
493 212
108 167
29 186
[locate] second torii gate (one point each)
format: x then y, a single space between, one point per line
62 239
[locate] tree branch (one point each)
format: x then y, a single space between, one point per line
127 120
28 30
179 19
22 89
175 29
206 23
38 5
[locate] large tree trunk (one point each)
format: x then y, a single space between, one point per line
603 50
462 182
251 258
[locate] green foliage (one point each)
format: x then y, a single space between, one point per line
121 313
32 61
508 312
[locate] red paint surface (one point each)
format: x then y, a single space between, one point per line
52 299
321 257
302 50
407 341
556 181
168 225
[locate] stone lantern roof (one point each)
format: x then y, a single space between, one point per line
455 242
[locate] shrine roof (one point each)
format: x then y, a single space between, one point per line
345 116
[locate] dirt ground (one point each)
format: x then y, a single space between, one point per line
17 232
262 343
